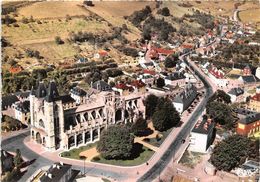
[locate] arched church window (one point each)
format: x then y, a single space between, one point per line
41 123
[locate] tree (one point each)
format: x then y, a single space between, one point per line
221 113
170 61
220 96
58 40
160 82
18 158
139 126
165 115
88 3
233 151
150 105
165 11
116 142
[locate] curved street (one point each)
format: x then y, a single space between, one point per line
149 172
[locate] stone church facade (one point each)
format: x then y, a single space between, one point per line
61 122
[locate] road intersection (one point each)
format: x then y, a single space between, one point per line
144 172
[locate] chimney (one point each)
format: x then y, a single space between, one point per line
91 84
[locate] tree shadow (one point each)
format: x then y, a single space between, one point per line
136 151
27 163
146 132
179 124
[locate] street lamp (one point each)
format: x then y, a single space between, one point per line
83 158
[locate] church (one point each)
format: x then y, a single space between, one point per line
69 121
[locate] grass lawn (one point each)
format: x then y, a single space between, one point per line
25 33
74 153
190 159
142 154
157 142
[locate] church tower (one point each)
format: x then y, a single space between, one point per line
47 118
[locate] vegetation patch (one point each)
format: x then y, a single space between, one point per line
139 156
190 159
159 139
74 153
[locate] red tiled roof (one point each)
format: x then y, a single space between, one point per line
137 83
187 46
103 53
216 73
151 72
164 51
256 97
122 86
153 54
16 69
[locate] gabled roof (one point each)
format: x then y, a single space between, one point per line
151 72
8 100
78 91
249 78
123 86
137 83
101 85
236 91
184 97
203 126
256 97
250 118
66 99
23 107
55 172
175 76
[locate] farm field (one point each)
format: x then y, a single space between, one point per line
251 15
54 9
25 33
112 12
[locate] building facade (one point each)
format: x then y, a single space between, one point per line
59 122
236 94
249 125
254 103
183 100
202 136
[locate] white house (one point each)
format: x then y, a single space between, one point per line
78 95
184 99
176 78
217 76
22 111
236 94
201 136
146 78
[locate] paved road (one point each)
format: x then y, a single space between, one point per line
156 164
175 145
11 144
17 141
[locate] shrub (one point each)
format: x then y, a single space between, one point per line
165 11
58 40
68 17
32 53
15 25
25 20
8 20
96 158
146 139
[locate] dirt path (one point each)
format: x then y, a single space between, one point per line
90 153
